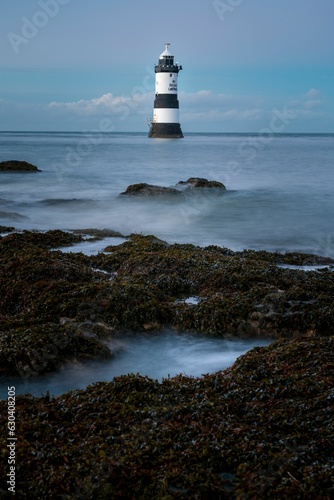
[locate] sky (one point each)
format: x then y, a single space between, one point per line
260 66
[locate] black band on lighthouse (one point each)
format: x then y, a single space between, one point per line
165 131
166 101
159 68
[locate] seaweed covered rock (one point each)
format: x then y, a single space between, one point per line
6 229
145 284
17 166
239 293
28 352
30 239
260 429
38 287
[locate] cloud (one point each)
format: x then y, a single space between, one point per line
313 103
109 103
207 97
220 115
312 93
203 110
104 105
201 107
205 106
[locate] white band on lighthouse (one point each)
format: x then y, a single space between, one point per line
165 121
166 83
166 115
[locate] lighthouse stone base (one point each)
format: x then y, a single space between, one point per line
165 131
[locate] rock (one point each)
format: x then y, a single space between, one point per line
6 229
151 327
143 189
17 166
200 182
88 329
182 188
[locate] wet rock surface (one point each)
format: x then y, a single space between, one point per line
183 188
17 166
144 189
260 429
199 182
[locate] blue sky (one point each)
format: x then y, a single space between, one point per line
72 64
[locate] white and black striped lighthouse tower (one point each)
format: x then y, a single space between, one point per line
165 123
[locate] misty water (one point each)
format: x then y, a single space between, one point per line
279 198
279 190
155 355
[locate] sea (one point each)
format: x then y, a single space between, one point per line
279 197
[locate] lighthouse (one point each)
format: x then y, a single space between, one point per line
165 122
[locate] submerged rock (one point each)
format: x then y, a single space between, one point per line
17 166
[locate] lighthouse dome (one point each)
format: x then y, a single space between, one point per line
166 58
166 51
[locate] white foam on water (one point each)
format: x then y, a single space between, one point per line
93 247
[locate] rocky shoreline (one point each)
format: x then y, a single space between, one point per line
70 302
260 429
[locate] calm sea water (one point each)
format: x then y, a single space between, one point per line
279 189
279 197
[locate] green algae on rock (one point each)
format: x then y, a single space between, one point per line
260 429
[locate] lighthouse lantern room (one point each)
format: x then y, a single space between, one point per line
165 122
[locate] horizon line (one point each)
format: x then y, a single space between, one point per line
88 132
